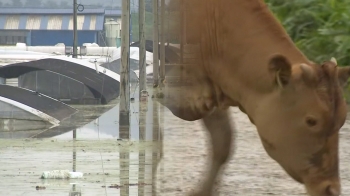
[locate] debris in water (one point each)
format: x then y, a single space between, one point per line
40 187
61 174
138 184
114 186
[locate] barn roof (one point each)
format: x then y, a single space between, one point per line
52 19
113 12
48 11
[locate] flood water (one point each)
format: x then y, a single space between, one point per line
127 162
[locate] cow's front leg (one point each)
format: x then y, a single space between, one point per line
218 125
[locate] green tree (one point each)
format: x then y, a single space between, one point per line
320 28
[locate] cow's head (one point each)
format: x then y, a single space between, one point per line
299 121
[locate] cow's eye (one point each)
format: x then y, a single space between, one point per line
311 122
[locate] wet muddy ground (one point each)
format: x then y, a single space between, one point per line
249 172
114 166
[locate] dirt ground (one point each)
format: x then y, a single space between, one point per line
250 172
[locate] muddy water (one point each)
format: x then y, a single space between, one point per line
130 164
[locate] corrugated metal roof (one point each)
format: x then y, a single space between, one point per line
33 22
90 22
41 11
2 21
115 12
80 21
12 22
54 23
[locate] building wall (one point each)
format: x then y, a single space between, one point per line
52 37
11 37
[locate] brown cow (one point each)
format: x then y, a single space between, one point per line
246 59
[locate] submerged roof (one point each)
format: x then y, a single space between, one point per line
103 83
41 106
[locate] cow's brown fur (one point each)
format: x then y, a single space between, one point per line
246 59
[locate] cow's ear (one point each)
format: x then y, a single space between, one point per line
343 75
281 68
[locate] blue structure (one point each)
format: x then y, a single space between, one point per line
39 26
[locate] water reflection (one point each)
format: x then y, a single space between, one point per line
116 162
93 122
137 169
74 191
143 116
148 113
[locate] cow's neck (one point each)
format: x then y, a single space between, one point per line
242 68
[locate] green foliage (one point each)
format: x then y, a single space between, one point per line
319 28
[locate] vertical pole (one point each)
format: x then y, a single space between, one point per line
74 154
182 33
155 43
142 49
75 38
124 108
162 42
142 152
74 150
142 103
155 135
130 26
168 37
124 165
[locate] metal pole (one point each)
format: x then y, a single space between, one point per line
155 134
182 33
142 49
74 150
162 42
74 154
155 43
75 37
168 27
124 106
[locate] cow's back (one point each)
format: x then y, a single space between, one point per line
221 15
234 37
